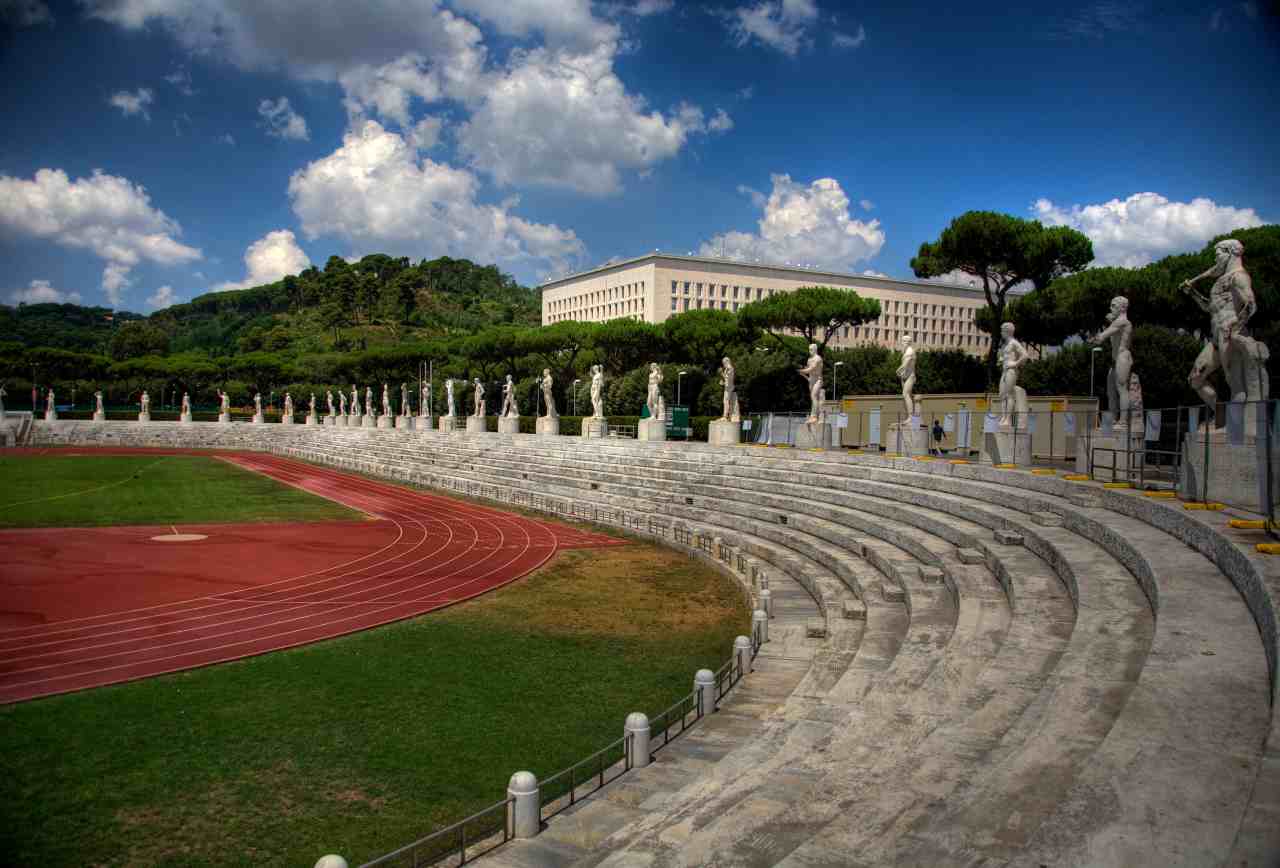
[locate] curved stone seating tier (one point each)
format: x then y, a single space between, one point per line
1045 673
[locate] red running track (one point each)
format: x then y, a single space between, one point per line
113 605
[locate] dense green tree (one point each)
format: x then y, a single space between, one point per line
624 344
703 337
1003 251
138 339
815 312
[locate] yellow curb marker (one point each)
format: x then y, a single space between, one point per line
1248 523
959 461
1044 472
1268 548
1164 495
1077 477
1117 485
1005 466
1211 507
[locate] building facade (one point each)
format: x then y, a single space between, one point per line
653 287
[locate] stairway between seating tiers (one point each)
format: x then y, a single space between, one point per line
1097 694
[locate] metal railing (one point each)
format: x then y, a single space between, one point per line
559 791
665 721
480 830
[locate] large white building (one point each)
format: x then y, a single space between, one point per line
653 287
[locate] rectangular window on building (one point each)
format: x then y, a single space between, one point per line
698 289
735 292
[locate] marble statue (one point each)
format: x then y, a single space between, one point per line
1134 391
48 403
288 404
342 403
728 379
311 405
226 402
186 403
1230 304
355 400
368 401
655 392
97 408
1120 332
907 375
329 397
597 391
404 399
479 399
509 407
1012 355
424 403
812 371
146 403
547 394
257 403
448 388
386 400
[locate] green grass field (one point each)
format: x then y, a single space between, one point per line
361 744
91 491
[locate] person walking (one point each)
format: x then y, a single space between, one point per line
937 437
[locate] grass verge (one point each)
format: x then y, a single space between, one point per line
361 744
94 491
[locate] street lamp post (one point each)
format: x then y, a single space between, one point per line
575 396
679 381
835 386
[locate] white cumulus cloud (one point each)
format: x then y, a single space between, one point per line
560 21
133 103
377 194
106 214
807 224
562 119
162 297
785 25
553 112
1146 226
281 121
849 40
42 292
270 258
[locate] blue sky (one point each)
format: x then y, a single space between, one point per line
157 149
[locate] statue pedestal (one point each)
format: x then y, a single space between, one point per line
508 424
1006 447
424 423
652 430
476 425
813 435
184 418
907 440
548 426
724 432
448 424
330 421
99 416
1237 474
258 419
404 423
353 420
51 415
144 416
286 419
593 428
368 420
224 418
312 420
384 421
1126 450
